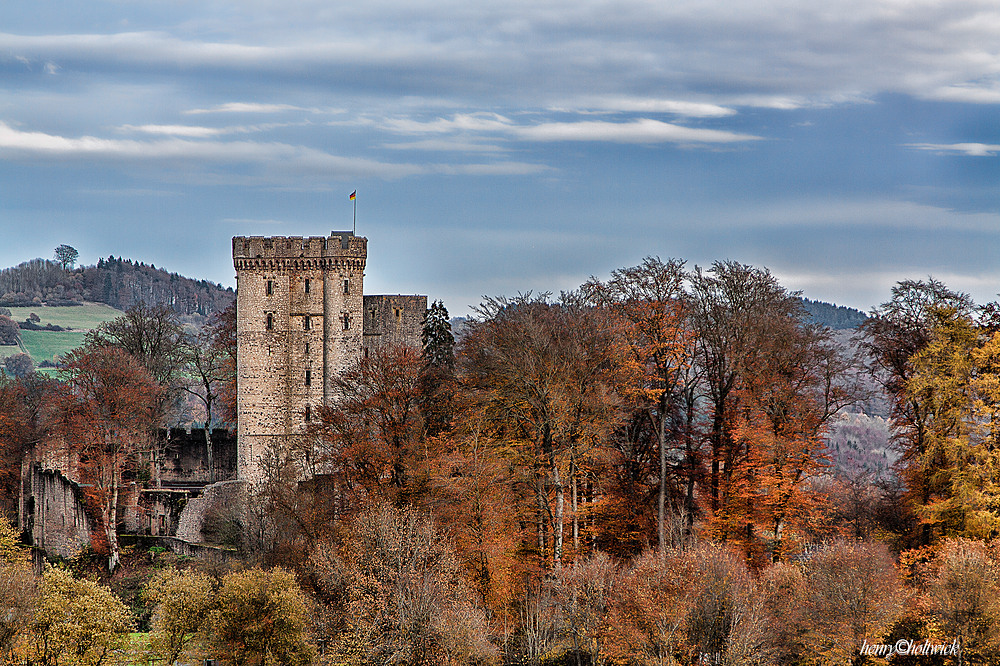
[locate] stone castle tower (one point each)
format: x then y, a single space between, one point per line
301 319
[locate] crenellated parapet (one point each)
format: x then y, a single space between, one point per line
339 245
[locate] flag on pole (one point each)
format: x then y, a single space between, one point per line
354 195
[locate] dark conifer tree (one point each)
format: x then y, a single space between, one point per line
437 379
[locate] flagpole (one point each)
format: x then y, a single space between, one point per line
354 198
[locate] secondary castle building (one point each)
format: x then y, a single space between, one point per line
301 319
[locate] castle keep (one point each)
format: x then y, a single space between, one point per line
301 319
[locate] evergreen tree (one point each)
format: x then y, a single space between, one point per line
439 343
437 378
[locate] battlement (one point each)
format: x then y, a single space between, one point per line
250 249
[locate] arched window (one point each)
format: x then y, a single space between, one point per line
270 321
308 415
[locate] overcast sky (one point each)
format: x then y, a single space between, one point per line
505 146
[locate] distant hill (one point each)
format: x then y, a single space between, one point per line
120 283
836 317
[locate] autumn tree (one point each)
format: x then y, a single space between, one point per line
478 494
545 376
770 384
783 589
584 592
853 595
939 386
78 622
649 308
222 333
892 336
259 619
799 381
207 369
152 335
965 598
736 309
105 415
406 600
367 439
690 607
24 406
17 591
14 439
182 602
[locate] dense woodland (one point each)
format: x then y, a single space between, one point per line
647 470
120 283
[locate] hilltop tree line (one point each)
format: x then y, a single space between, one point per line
120 283
634 472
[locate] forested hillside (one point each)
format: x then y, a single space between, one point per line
837 317
120 283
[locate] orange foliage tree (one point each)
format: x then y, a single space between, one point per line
23 404
546 378
796 385
649 309
364 445
479 493
106 414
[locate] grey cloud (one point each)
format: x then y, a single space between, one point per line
280 160
643 130
662 57
971 149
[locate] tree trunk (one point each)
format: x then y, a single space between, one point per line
111 524
208 448
576 503
541 500
557 522
661 517
716 452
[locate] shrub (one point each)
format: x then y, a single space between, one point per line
183 601
853 595
78 621
965 597
687 607
260 619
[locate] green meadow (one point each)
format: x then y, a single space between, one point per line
49 345
78 317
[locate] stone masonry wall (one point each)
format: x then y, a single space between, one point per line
54 513
302 319
298 321
184 459
392 320
208 518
